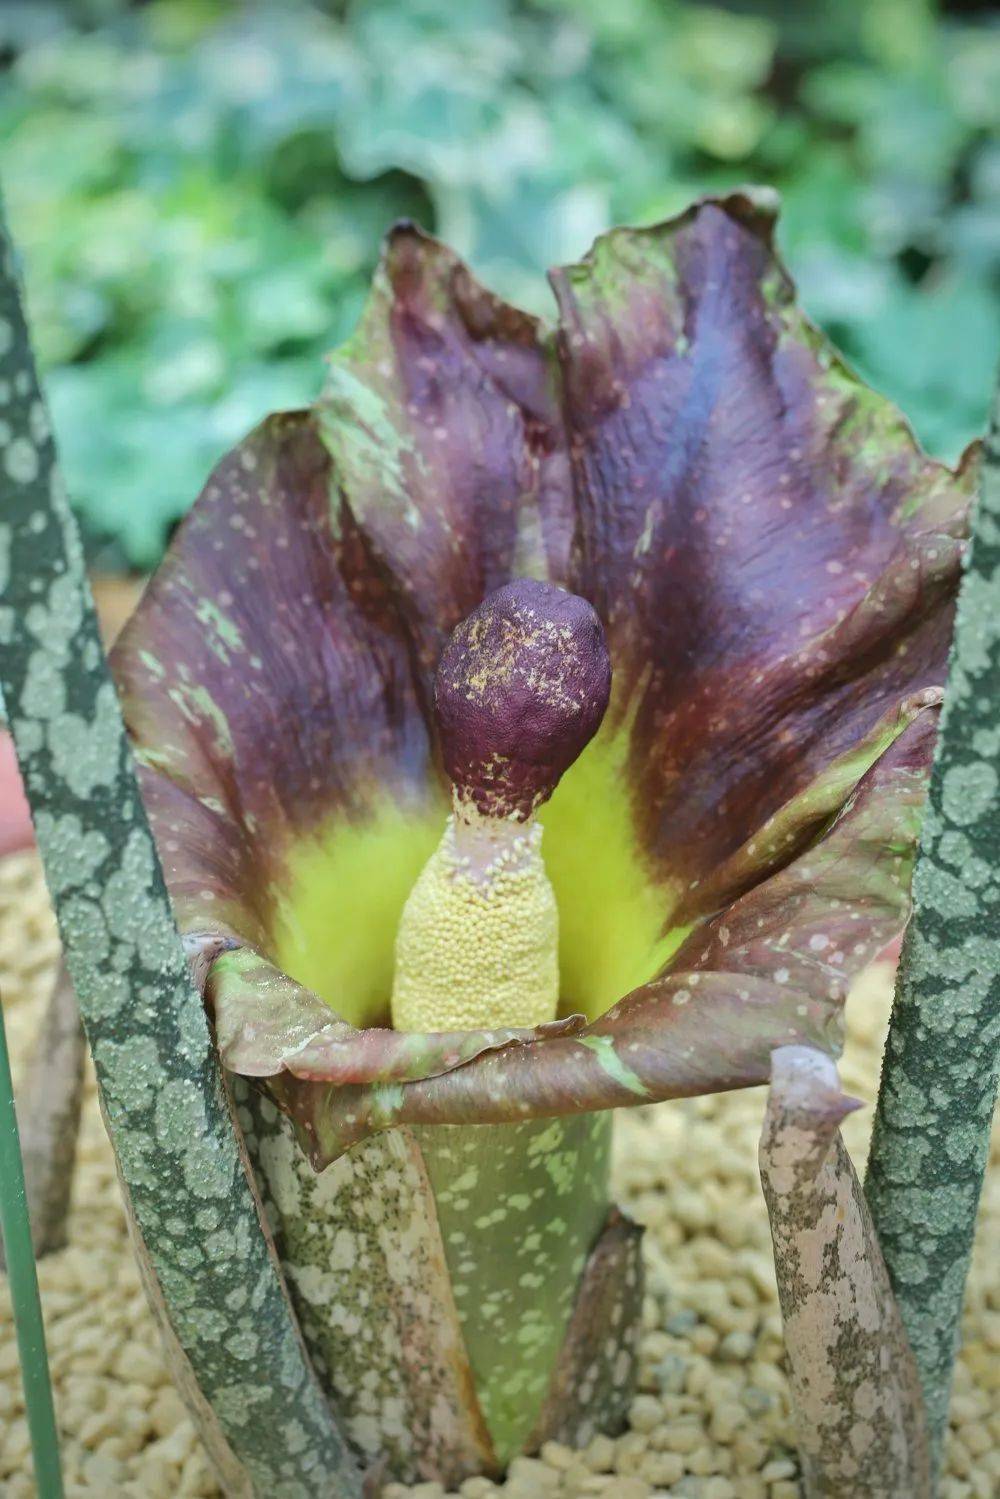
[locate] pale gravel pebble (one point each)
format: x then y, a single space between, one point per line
710 1419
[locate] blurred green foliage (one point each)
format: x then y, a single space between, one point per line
199 188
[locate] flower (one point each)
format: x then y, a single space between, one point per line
775 564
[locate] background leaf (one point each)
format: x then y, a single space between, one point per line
212 232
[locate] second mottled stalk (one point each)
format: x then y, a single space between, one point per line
858 1407
930 1142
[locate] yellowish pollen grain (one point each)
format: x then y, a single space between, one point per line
477 945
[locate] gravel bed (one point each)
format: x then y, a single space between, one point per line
711 1420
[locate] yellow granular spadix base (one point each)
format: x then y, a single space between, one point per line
478 940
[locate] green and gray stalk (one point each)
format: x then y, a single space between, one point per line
210 1269
939 1078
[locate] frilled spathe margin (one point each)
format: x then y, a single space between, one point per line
266 1024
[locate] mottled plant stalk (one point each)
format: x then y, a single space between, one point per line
464 1291
858 1409
595 1376
362 1253
50 1095
521 1207
196 1212
939 1077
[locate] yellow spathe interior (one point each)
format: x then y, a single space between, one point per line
613 917
346 886
340 907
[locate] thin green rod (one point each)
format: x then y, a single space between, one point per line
15 1227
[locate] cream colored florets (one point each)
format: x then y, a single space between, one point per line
477 944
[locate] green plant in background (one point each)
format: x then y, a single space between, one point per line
233 167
